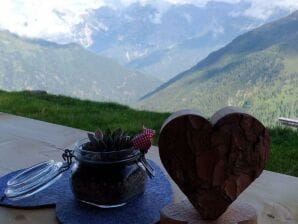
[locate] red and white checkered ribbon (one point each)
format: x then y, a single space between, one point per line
143 140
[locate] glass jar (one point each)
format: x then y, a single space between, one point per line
107 179
104 179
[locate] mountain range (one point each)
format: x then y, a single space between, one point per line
257 71
67 69
163 42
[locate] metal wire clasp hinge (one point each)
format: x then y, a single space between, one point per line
149 169
67 156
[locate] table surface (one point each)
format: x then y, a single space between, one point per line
25 142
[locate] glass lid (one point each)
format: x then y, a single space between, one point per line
33 180
36 178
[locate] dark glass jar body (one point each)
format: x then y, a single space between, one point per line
107 182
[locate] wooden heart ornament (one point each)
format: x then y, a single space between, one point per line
213 161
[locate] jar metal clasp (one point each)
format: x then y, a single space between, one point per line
149 169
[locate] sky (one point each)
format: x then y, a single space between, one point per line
56 20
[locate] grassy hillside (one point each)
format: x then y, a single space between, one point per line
256 71
67 69
89 115
83 114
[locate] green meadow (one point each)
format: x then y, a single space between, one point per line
88 115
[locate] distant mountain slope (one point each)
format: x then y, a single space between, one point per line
257 70
67 69
164 42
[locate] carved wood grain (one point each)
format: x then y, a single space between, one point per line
212 162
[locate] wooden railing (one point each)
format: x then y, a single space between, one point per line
288 121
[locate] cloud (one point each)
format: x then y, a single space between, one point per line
263 9
52 20
67 20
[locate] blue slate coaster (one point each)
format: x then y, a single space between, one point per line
144 209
